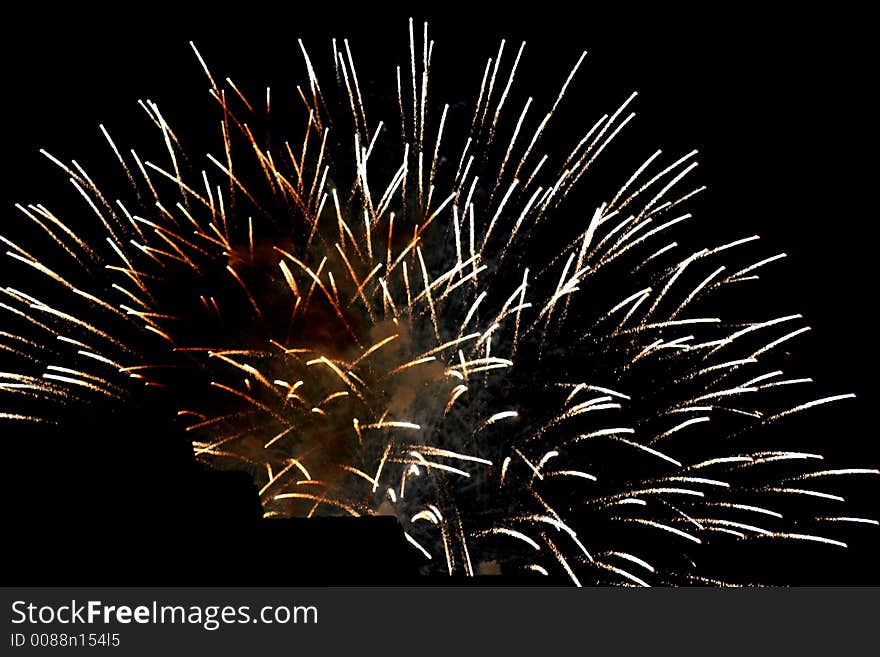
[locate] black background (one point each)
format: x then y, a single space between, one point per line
779 104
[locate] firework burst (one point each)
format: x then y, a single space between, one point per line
404 318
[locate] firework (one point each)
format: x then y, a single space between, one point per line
417 317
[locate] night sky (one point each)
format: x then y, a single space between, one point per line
778 104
